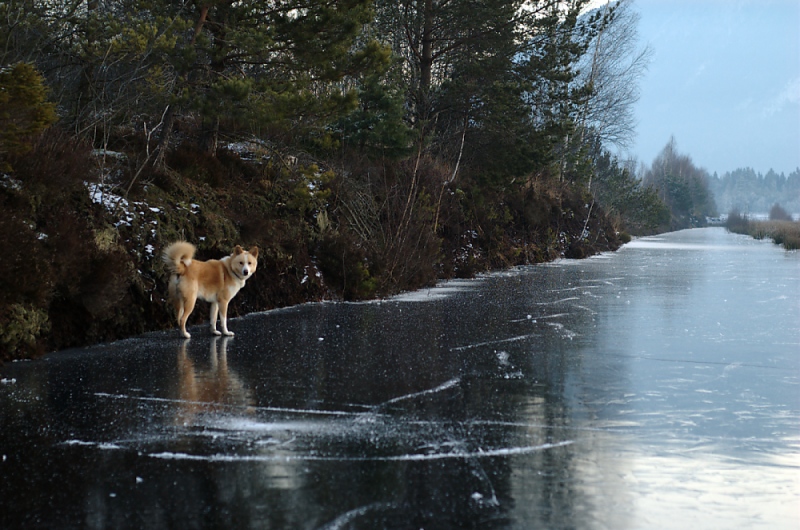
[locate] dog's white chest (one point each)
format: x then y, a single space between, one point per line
233 289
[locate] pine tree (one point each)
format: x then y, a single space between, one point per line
493 76
24 110
258 63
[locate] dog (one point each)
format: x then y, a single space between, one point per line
215 281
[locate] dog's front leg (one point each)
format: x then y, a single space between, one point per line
223 318
213 323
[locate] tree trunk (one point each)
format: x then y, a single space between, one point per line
210 138
163 140
426 61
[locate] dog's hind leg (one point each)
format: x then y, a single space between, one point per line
179 312
177 299
187 306
223 318
214 311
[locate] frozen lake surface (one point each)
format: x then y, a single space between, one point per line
656 387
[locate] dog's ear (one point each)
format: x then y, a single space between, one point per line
237 250
254 252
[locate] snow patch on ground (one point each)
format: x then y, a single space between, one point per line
10 183
137 220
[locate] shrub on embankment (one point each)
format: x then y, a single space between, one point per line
83 232
782 231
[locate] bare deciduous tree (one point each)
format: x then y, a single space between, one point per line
612 69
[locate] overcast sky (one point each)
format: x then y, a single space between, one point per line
724 79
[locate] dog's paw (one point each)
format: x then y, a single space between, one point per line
215 332
187 335
228 333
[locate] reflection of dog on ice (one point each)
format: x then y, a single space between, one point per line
211 388
215 281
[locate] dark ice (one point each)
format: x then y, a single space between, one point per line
655 387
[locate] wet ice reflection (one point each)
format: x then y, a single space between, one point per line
651 388
209 387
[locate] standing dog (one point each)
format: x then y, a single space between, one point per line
215 281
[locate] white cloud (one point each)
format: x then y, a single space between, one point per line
789 95
745 105
697 74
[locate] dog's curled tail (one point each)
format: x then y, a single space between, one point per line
178 256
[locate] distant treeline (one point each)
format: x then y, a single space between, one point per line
682 186
747 191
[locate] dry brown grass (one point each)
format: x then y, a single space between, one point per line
786 233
